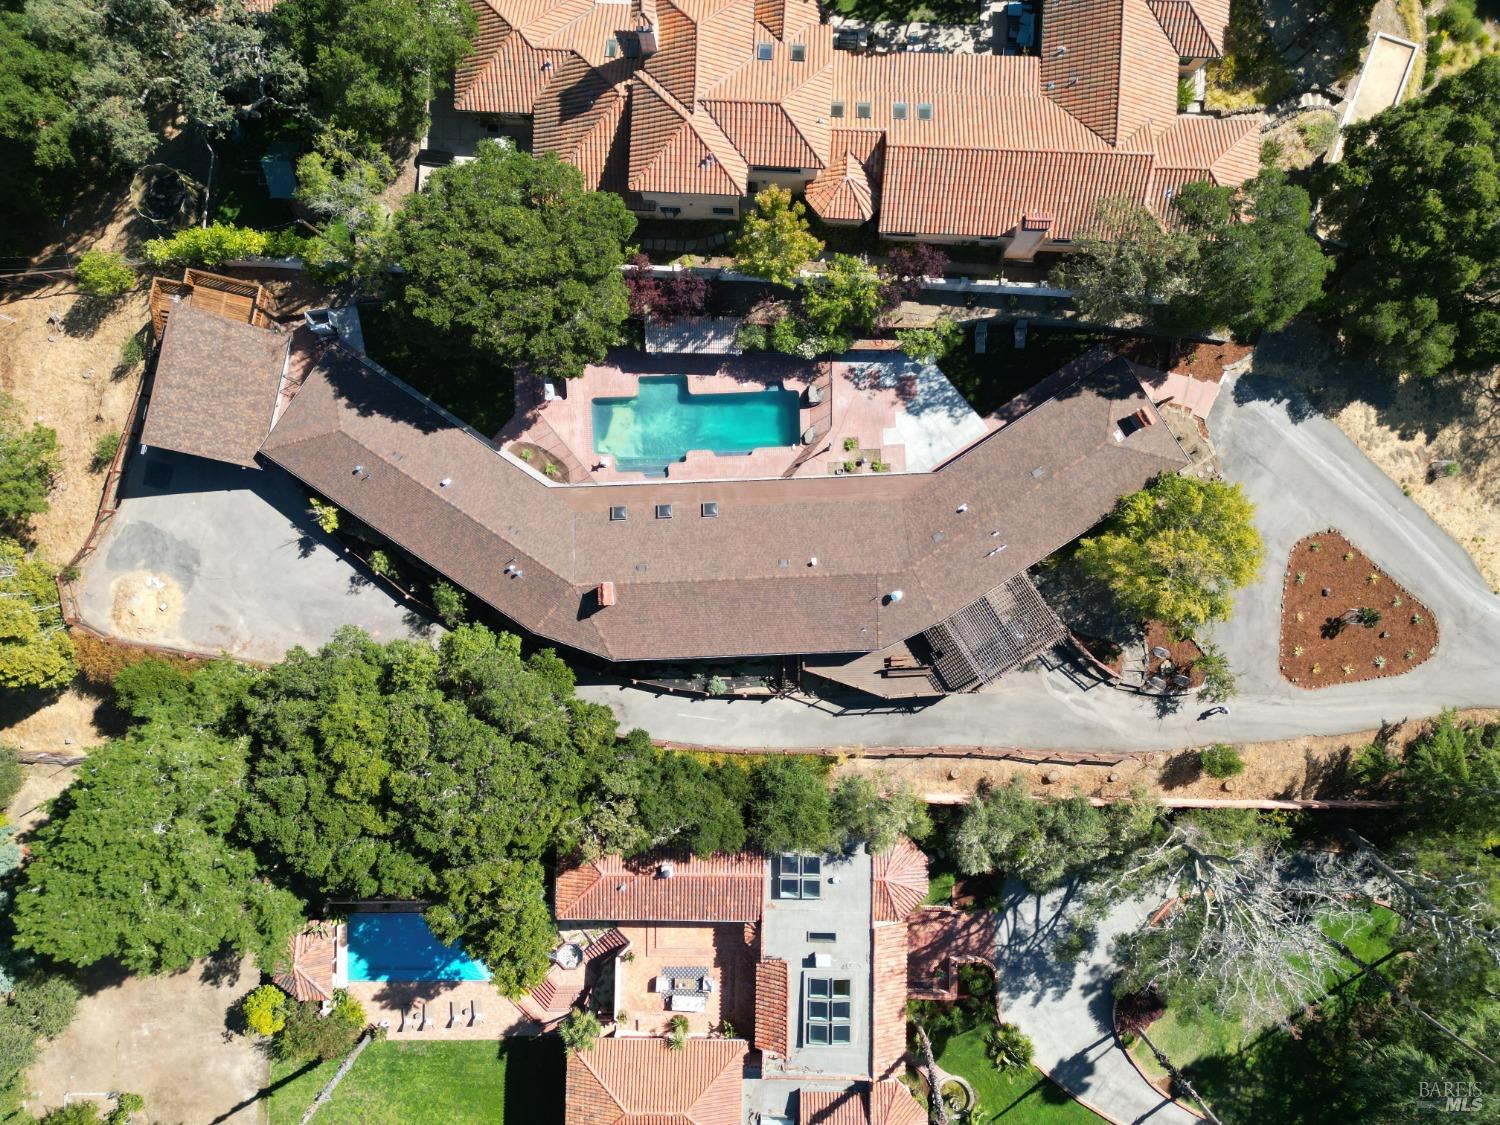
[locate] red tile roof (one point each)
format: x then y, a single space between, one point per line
704 105
899 882
833 1107
642 1081
772 997
308 971
887 999
891 1103
726 888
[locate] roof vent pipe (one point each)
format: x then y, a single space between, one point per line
1061 51
895 596
961 509
666 870
813 561
445 482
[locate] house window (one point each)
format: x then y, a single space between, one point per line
619 512
828 1011
799 876
763 51
862 110
836 109
664 511
924 111
799 52
709 509
723 210
611 47
898 111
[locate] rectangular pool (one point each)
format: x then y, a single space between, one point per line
400 947
663 421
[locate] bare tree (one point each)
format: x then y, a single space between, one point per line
1243 929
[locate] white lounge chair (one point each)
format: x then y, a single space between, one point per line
477 1015
452 1014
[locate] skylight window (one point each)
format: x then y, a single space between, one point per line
709 509
799 52
828 1012
664 511
898 111
924 111
618 512
611 47
862 110
799 876
764 51
836 109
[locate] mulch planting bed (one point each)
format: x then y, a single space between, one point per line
1329 581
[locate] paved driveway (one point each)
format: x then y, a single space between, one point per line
241 566
1067 1007
1304 475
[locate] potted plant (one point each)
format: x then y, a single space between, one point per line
849 466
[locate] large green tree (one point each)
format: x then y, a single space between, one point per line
399 771
774 241
1177 551
134 863
1416 205
41 150
1126 265
1256 264
511 258
28 465
373 65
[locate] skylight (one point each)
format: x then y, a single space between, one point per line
611 47
799 52
836 109
898 110
924 111
829 1011
618 512
799 876
862 110
764 51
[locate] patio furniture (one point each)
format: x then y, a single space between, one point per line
687 1002
478 1015
452 1014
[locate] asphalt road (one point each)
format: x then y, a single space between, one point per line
1304 475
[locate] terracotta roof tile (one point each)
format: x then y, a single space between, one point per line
578 117
898 882
841 192
772 997
308 972
1223 149
1108 63
674 149
891 1103
641 1081
718 889
887 999
215 386
832 1107
1180 21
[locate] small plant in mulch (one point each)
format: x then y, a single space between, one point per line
1221 761
1364 641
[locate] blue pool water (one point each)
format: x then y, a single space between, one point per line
663 421
401 947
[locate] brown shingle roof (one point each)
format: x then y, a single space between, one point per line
641 1081
740 583
215 386
772 997
899 881
722 888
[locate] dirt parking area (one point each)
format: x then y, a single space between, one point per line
1292 769
164 1038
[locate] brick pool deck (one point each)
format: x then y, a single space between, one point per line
905 414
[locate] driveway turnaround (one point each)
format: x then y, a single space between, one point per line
1303 475
214 558
1067 1007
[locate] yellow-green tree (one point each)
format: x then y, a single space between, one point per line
1177 551
35 650
774 240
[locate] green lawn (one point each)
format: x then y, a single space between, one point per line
1233 1067
519 1081
1011 1097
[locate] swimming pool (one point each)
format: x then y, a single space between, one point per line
401 947
663 421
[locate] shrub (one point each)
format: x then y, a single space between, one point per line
102 274
104 452
101 660
1136 1011
677 1033
449 601
149 686
1459 21
579 1031
214 245
851 444
308 1034
127 1105
132 351
35 649
1008 1047
716 685
265 1010
1368 616
928 345
751 337
75 1113
324 514
381 564
1221 761
28 465
12 776
1187 93
1218 678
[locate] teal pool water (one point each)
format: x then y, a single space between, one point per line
400 947
663 421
